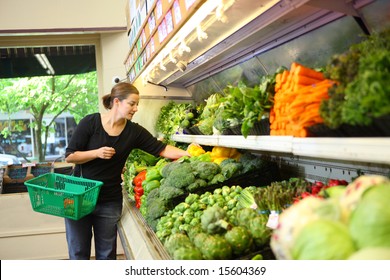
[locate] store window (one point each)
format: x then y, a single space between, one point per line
63 70
20 137
21 142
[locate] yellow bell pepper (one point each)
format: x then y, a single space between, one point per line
194 150
218 160
234 154
220 152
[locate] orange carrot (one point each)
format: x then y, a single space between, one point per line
305 80
309 72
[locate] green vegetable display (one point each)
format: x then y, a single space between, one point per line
214 220
176 241
261 234
369 223
363 91
337 227
240 240
212 223
207 117
187 253
323 240
172 119
216 247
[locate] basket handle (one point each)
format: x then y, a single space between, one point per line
62 158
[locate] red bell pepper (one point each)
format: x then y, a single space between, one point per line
139 178
138 189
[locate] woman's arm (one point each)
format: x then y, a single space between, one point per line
80 157
172 152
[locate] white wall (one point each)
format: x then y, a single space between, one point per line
114 48
19 15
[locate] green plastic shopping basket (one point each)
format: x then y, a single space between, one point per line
63 195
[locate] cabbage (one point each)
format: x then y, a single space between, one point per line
371 253
294 218
350 199
323 240
369 223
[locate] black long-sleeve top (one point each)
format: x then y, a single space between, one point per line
90 134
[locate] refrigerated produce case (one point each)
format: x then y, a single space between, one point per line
246 40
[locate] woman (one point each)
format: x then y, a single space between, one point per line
99 147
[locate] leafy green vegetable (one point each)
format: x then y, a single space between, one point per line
363 91
171 117
230 167
207 117
323 240
369 223
251 162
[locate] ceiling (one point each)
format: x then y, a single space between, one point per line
21 61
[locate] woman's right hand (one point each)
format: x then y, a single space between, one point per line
105 152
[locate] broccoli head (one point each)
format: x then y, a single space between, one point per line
179 180
180 176
156 208
205 170
152 195
168 192
167 168
219 178
196 185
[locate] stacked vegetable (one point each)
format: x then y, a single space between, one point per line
184 176
138 189
174 117
245 106
207 116
211 226
230 222
353 223
299 93
137 161
362 93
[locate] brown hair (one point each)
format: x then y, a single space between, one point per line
121 91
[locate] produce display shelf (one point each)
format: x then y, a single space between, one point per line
365 149
359 149
138 240
281 144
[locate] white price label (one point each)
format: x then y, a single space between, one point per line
273 220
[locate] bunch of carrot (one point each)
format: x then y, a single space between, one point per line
298 94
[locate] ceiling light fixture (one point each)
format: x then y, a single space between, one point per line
45 63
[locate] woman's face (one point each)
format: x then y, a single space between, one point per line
128 107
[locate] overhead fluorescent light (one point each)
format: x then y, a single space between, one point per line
45 63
